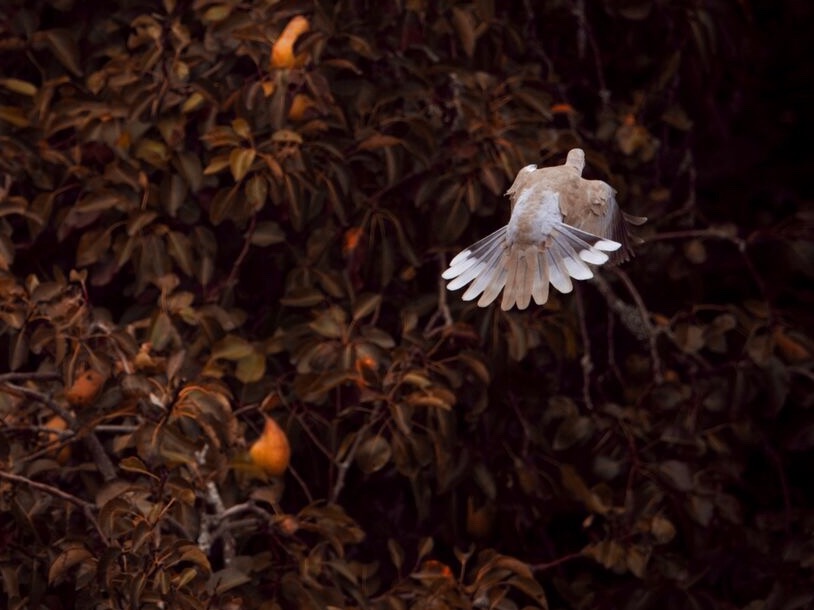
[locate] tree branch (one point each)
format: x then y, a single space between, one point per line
49 489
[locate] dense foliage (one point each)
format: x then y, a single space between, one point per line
222 217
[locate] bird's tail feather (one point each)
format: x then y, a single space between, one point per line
524 271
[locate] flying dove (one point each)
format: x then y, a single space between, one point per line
559 222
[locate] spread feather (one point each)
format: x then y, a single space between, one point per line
559 224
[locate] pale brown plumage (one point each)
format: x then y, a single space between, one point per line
559 222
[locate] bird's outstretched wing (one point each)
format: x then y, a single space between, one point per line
593 208
524 271
559 222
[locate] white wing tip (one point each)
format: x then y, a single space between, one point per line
459 257
607 245
595 257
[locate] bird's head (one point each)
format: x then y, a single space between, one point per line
576 160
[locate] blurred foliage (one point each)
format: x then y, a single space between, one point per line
220 216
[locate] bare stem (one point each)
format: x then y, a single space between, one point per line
655 360
35 375
49 489
100 457
541 567
442 293
344 465
54 406
585 361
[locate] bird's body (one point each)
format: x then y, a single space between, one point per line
559 222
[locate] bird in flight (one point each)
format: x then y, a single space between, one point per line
560 222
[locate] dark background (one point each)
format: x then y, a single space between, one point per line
643 442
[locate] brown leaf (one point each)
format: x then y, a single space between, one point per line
240 161
373 454
19 86
73 554
378 140
678 474
267 233
63 45
14 115
464 23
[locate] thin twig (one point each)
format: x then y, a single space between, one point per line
49 489
244 251
32 375
92 442
442 293
698 233
784 487
40 397
585 361
344 465
658 374
541 567
586 31
302 483
99 454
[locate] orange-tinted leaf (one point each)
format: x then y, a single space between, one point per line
378 140
240 161
464 23
19 86
14 115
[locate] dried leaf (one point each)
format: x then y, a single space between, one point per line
63 45
19 86
267 233
14 115
378 140
240 161
678 474
73 554
373 454
365 305
464 23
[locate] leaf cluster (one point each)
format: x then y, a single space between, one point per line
212 213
